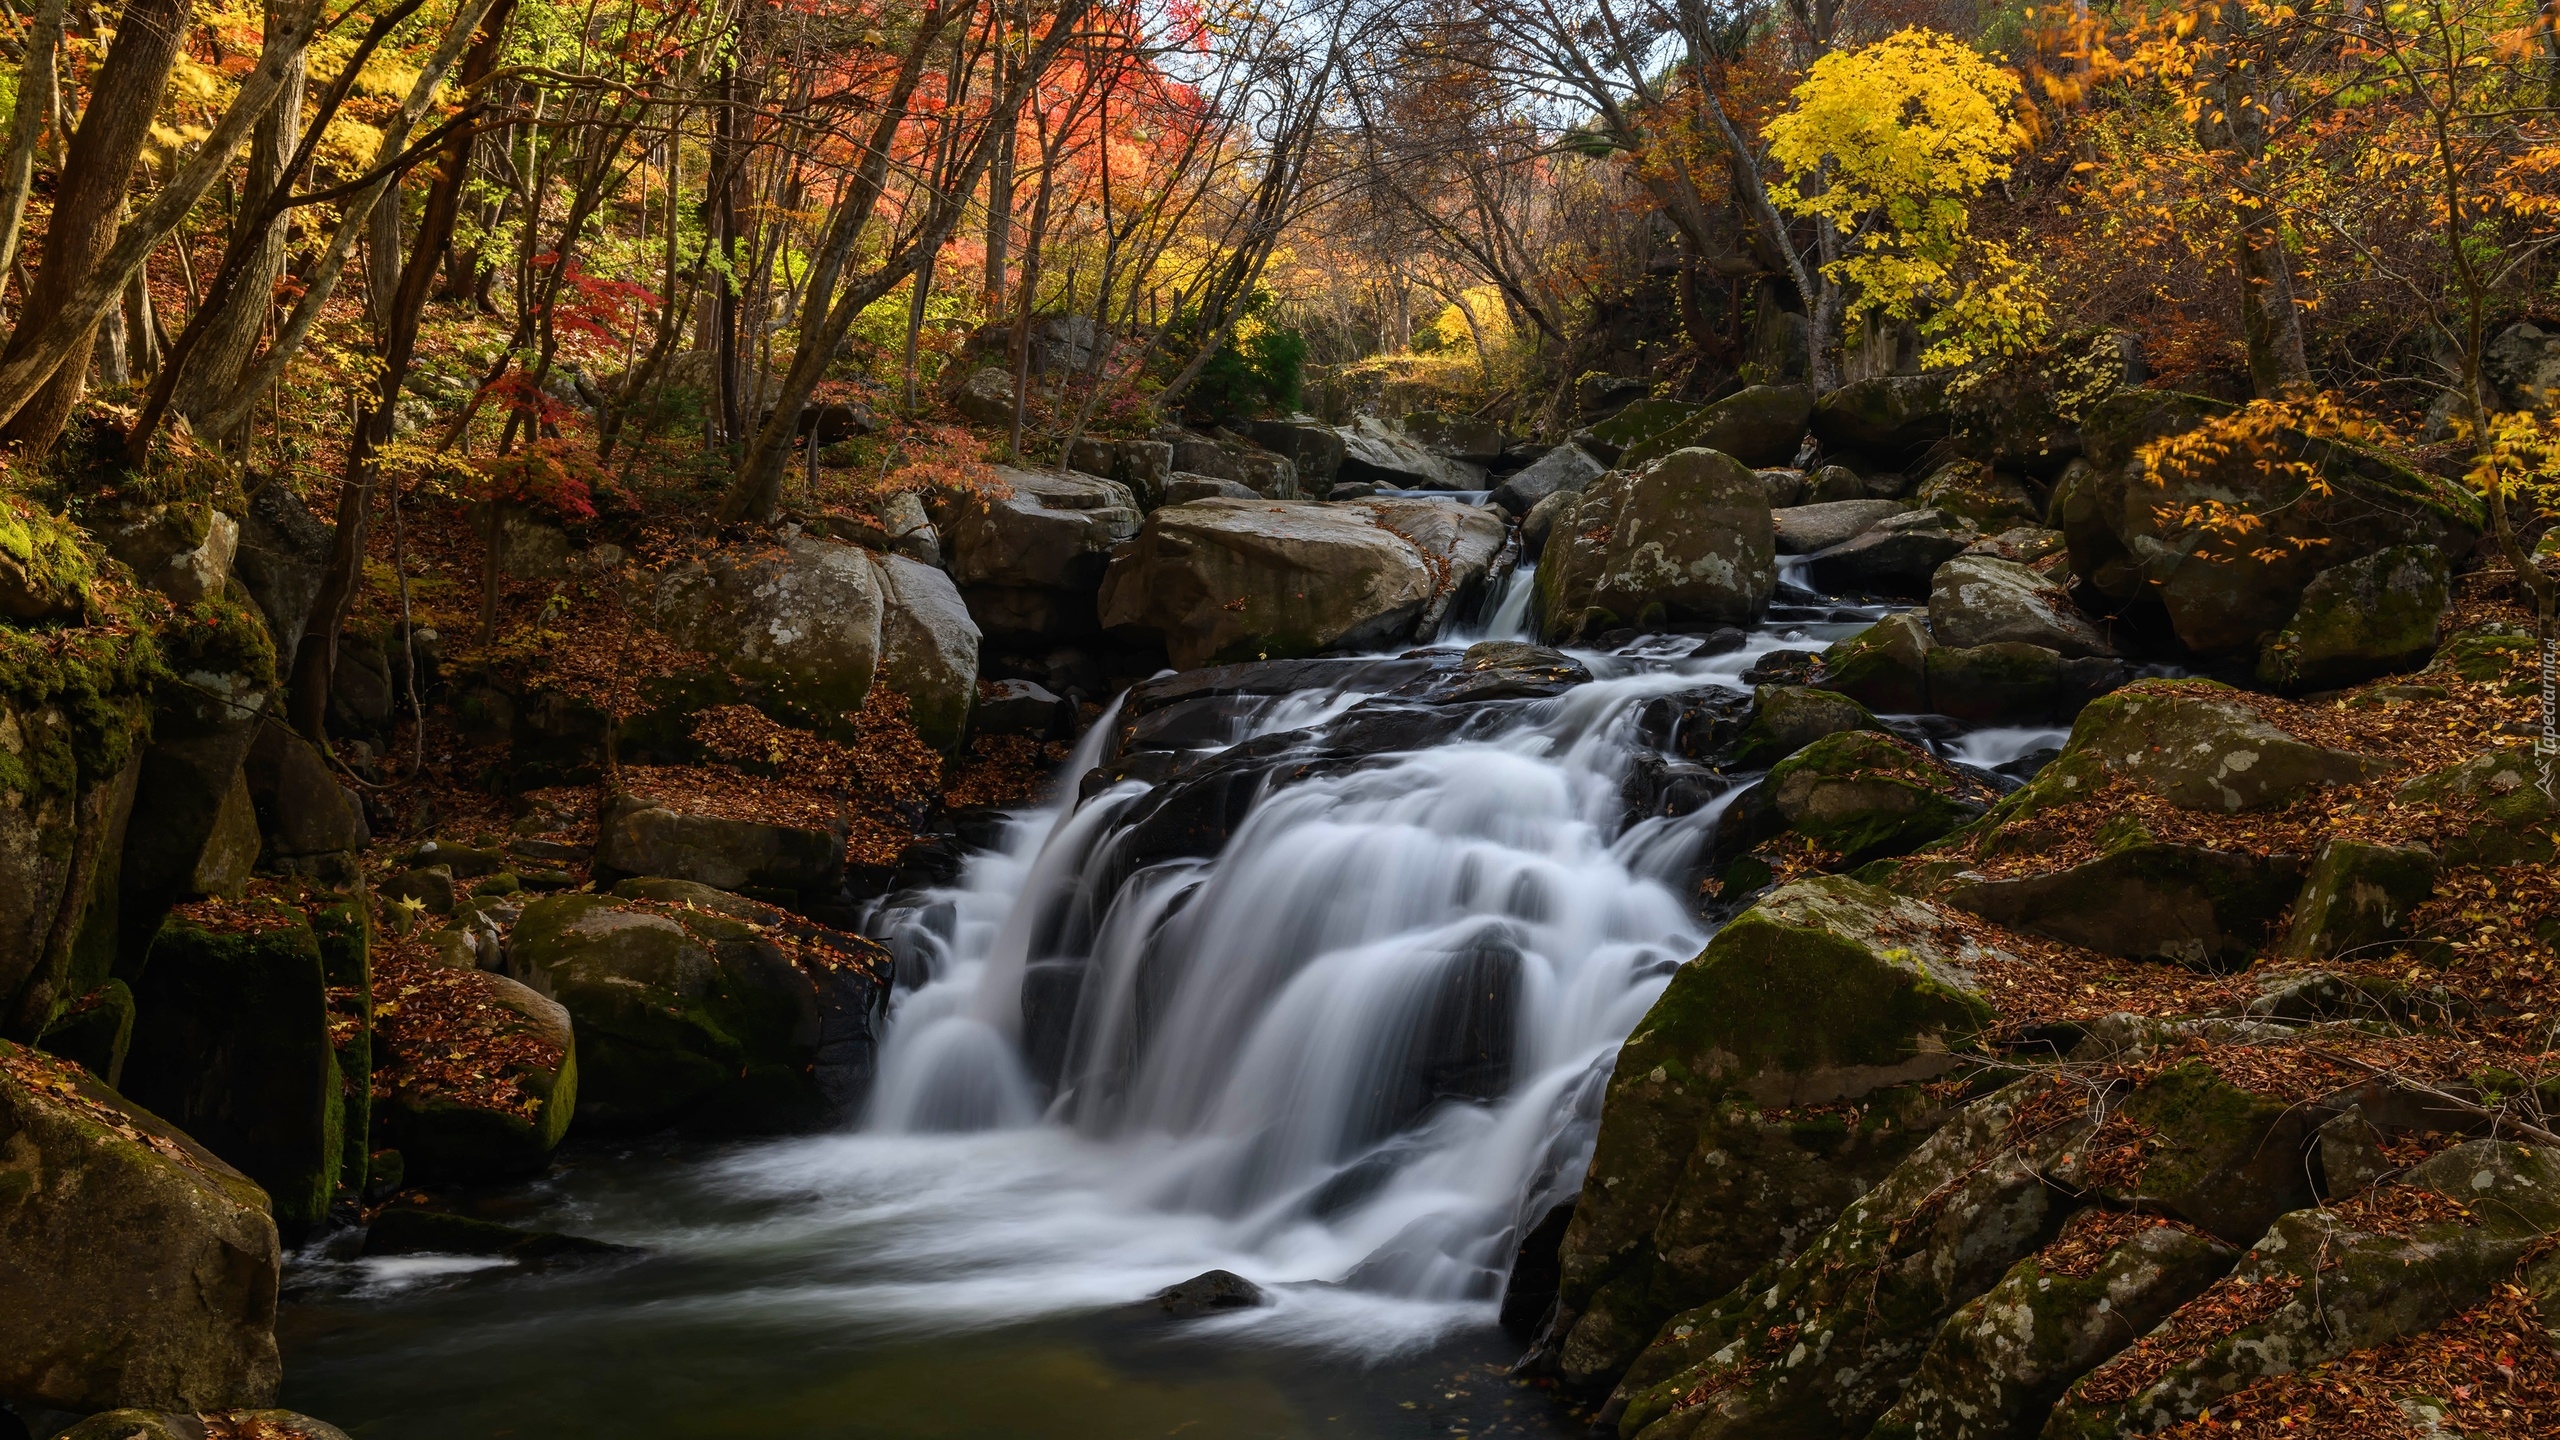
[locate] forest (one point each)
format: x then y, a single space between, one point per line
1920 633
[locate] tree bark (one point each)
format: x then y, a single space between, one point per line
231 334
37 100
95 172
382 258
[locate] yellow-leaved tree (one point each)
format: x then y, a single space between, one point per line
1885 149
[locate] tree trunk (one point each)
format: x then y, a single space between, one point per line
721 205
38 97
382 258
315 662
999 204
122 99
2269 318
143 340
231 334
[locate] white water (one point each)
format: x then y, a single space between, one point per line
1239 1086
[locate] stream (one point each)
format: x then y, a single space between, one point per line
1352 1056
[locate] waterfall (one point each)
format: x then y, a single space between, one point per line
1360 1043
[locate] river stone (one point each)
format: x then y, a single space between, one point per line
231 1042
1785 486
445 1138
1835 485
1866 795
2003 1359
1566 468
1634 423
1884 667
1891 417
690 1010
2187 742
1210 1293
2130 539
2348 1289
1896 556
1030 559
2358 895
1182 487
1787 718
1983 600
2510 820
1826 991
142 1270
1804 529
1760 425
1978 495
1315 448
2365 618
1538 526
641 836
2207 909
1459 437
1230 580
1685 539
928 649
1377 453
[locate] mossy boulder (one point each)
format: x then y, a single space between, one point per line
2365 618
1891 417
94 1032
1979 495
1787 718
2359 894
45 569
2497 801
1884 667
1758 425
1985 600
1828 992
182 549
141 1269
2204 908
1896 556
2323 1283
1634 423
1684 539
2194 744
641 836
698 1008
2003 1359
1866 795
2012 682
500 1114
2132 534
2492 654
231 1040
2222 1158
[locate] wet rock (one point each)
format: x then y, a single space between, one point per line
1686 539
1896 556
1826 992
1884 667
231 1043
1760 425
691 1010
1865 795
142 1270
1210 1293
1892 417
2358 895
2365 618
1805 529
413 1231
1699 724
641 836
1229 580
1566 469
1500 670
1983 600
1019 707
2002 1360
1529 1294
1787 718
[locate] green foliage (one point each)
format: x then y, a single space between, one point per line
1259 368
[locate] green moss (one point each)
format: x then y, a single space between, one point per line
50 555
221 634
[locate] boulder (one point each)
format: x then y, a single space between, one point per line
1182 487
1223 580
803 629
281 552
1982 600
497 1118
1884 667
182 550
2204 908
1019 707
986 396
2132 539
1978 495
1684 539
894 523
142 1270
203 836
1568 468
703 1009
1539 524
1787 718
1459 437
2012 682
1377 453
140 1424
1634 422
1864 795
1760 425
2523 362
1804 529
94 1031
1826 992
2365 618
2496 798
1832 484
1896 556
641 836
1315 448
1210 1293
1891 417
311 824
2358 895
530 546
45 574
2196 745
231 1042
1029 561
